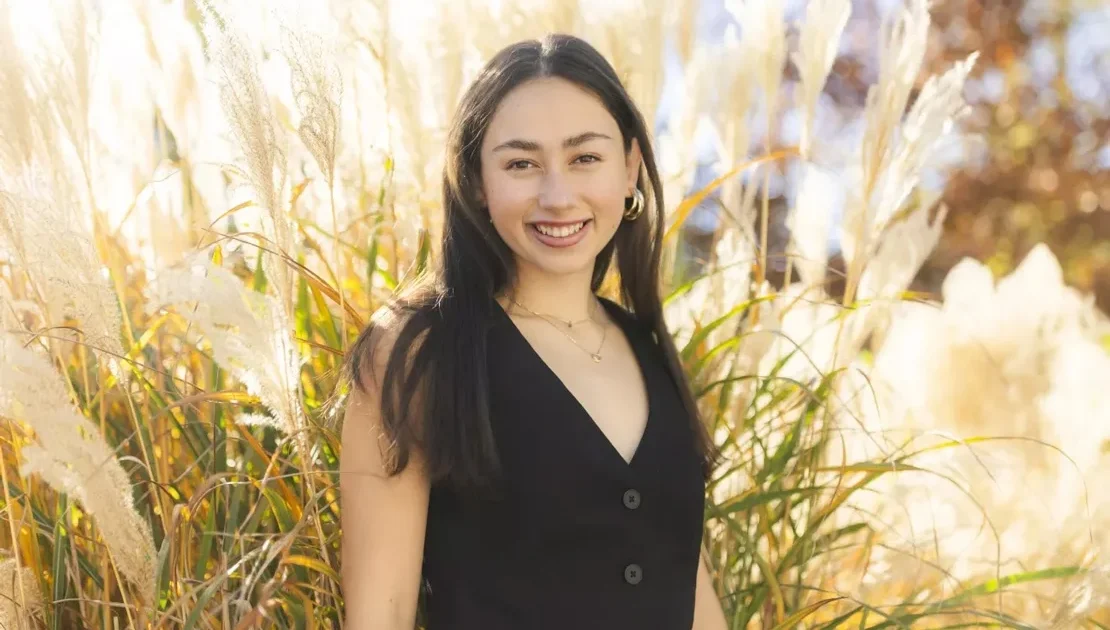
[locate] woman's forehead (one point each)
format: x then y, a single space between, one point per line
549 111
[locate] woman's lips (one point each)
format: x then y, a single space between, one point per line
556 240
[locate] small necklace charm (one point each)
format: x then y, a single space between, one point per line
596 357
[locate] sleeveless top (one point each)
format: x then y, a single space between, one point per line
580 539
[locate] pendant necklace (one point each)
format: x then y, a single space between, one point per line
596 356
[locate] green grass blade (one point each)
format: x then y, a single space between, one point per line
995 585
258 279
797 618
199 607
327 325
58 562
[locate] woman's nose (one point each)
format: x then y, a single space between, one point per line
555 191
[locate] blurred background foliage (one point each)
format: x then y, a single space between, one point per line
1041 106
1034 163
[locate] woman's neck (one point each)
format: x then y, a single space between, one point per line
565 296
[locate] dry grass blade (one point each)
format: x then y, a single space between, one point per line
683 211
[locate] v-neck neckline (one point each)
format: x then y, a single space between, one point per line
594 428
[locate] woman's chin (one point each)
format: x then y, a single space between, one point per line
576 266
580 261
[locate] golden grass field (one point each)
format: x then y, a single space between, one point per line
201 205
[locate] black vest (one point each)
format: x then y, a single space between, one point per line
582 540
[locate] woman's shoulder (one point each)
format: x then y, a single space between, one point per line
392 326
391 319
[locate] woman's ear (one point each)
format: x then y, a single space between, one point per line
633 161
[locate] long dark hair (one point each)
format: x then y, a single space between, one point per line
439 354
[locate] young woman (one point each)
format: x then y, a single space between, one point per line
518 452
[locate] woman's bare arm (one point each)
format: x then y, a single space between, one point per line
383 519
708 614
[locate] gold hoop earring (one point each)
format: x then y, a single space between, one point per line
637 207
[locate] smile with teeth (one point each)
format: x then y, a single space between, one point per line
560 231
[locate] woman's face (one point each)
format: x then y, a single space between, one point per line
555 176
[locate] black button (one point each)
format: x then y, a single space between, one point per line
633 574
631 499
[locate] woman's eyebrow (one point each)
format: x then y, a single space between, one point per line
532 145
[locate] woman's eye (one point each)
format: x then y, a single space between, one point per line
520 165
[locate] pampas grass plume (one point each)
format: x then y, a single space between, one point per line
71 455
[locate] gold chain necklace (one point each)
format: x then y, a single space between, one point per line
596 356
568 323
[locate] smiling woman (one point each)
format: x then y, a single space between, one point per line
556 178
519 450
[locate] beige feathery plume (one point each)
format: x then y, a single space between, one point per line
20 598
1088 596
486 31
930 120
809 223
900 57
735 63
40 224
677 154
450 58
18 122
247 330
317 89
645 79
764 27
72 73
251 119
905 245
760 51
246 105
901 251
41 213
418 148
913 145
56 77
630 35
532 19
817 44
1019 357
14 311
71 456
686 31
